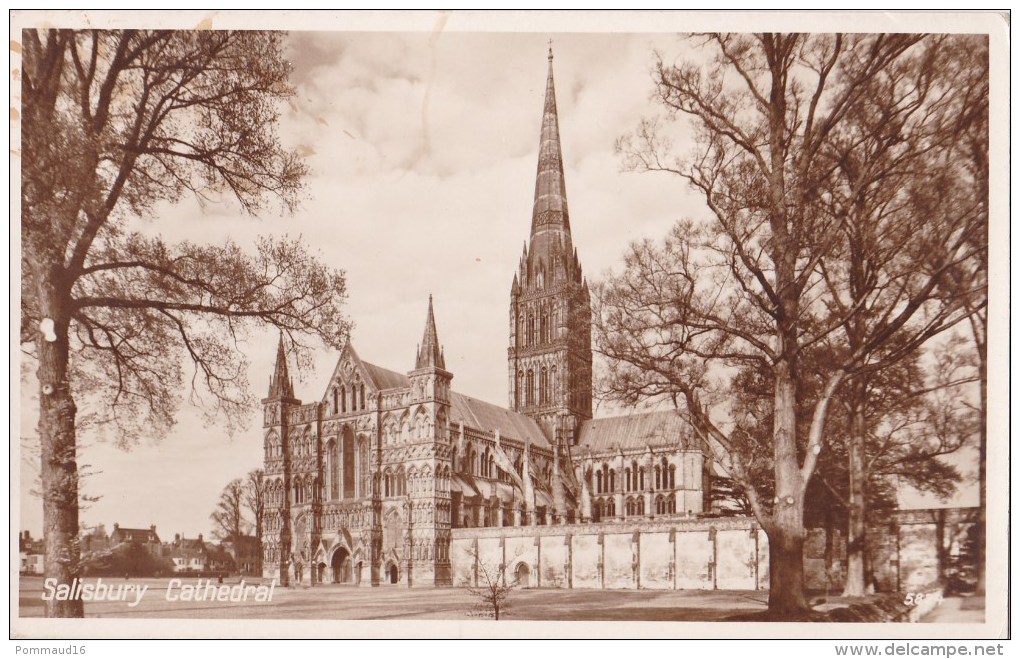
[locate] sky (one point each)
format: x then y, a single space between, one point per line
423 150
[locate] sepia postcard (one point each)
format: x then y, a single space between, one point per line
494 324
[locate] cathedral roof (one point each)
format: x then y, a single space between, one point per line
472 412
478 414
383 378
634 431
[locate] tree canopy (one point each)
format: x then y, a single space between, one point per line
815 156
116 125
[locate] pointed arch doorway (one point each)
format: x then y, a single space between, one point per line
341 566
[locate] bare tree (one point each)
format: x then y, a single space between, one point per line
748 287
115 123
255 501
896 188
228 517
493 587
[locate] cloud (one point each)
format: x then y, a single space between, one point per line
423 156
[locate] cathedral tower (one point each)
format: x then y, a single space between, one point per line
278 406
550 355
427 537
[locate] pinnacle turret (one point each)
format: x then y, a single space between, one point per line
280 385
430 354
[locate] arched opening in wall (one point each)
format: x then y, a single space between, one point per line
392 575
341 564
320 572
357 572
522 575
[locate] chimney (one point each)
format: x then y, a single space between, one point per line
152 527
116 526
177 538
200 537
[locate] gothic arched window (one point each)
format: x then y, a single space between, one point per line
361 395
347 461
530 397
364 470
543 386
343 399
333 464
672 476
336 401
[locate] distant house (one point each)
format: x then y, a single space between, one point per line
31 554
148 539
188 555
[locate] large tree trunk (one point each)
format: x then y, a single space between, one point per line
856 583
786 571
786 531
982 468
59 465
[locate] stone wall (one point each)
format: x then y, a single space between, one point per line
684 553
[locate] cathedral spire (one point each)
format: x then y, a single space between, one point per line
430 354
280 385
550 209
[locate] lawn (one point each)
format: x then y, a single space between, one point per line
333 602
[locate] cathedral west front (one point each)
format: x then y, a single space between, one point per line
393 477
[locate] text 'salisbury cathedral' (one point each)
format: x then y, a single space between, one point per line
394 477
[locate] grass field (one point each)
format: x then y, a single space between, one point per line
333 602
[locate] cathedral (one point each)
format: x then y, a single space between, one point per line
375 482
